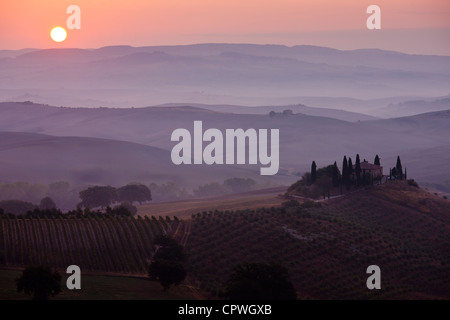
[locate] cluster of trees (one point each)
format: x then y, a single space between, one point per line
167 263
396 173
169 191
326 178
40 282
104 196
62 193
121 199
354 175
21 197
18 207
351 174
124 209
286 112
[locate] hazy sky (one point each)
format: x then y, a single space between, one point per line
414 26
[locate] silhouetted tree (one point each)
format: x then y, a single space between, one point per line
335 175
377 161
406 176
350 172
40 282
167 272
166 266
128 206
168 192
394 172
47 204
98 196
134 193
358 170
313 172
124 209
345 176
259 281
16 206
324 185
399 168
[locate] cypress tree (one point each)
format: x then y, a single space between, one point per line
394 172
335 175
344 171
399 168
406 177
313 172
377 161
350 169
358 171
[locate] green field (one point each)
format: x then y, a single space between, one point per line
101 288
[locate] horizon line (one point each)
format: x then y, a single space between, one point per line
229 43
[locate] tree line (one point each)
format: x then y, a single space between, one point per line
321 181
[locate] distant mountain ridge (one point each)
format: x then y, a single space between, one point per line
239 74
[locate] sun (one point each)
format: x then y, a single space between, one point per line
58 34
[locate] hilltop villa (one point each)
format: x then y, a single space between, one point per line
373 170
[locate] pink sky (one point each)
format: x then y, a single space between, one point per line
415 26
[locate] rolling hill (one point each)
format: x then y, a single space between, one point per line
318 112
41 158
327 248
303 138
215 74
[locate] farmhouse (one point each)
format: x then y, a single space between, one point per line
373 170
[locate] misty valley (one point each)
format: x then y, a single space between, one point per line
224 171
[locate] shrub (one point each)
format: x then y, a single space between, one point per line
412 183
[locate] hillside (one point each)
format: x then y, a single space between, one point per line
42 158
326 246
413 107
299 108
300 137
327 249
93 242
